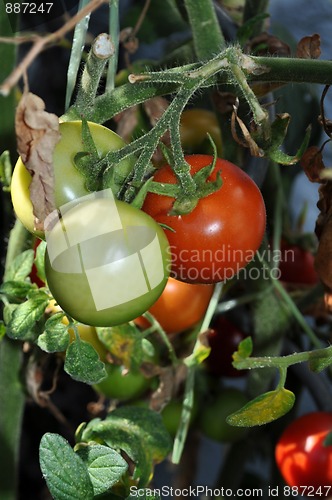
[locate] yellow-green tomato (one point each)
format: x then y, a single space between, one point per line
195 124
122 385
212 420
172 414
106 262
69 182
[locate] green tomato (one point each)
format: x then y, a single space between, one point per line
69 182
212 421
172 413
106 261
118 385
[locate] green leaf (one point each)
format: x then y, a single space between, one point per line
16 289
243 352
21 266
124 342
25 316
40 261
64 471
2 330
247 29
105 466
56 337
83 364
263 409
279 130
137 431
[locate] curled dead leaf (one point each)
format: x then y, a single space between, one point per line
312 163
37 133
309 47
246 140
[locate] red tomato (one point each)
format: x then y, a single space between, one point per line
297 265
221 235
301 456
224 339
180 306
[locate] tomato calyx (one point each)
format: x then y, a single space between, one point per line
186 202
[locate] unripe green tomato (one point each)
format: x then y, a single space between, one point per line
69 182
118 385
212 421
171 415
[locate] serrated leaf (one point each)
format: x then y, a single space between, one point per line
16 289
64 471
83 364
8 312
124 342
105 466
137 431
56 337
263 409
21 266
25 316
319 363
40 260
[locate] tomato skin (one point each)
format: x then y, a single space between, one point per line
69 182
224 338
122 386
212 421
297 265
301 456
97 292
180 306
195 124
220 236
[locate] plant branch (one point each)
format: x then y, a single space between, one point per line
40 43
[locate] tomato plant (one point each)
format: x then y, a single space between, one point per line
195 124
297 265
86 332
180 306
212 420
69 182
113 286
121 384
220 236
301 455
224 338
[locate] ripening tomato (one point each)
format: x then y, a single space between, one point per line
69 182
195 124
301 455
224 338
180 306
106 262
223 232
297 265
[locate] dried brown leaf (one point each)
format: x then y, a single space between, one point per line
266 44
312 163
247 141
170 380
155 108
37 133
309 47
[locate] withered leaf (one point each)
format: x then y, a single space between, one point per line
170 379
309 47
127 121
267 44
37 133
312 163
